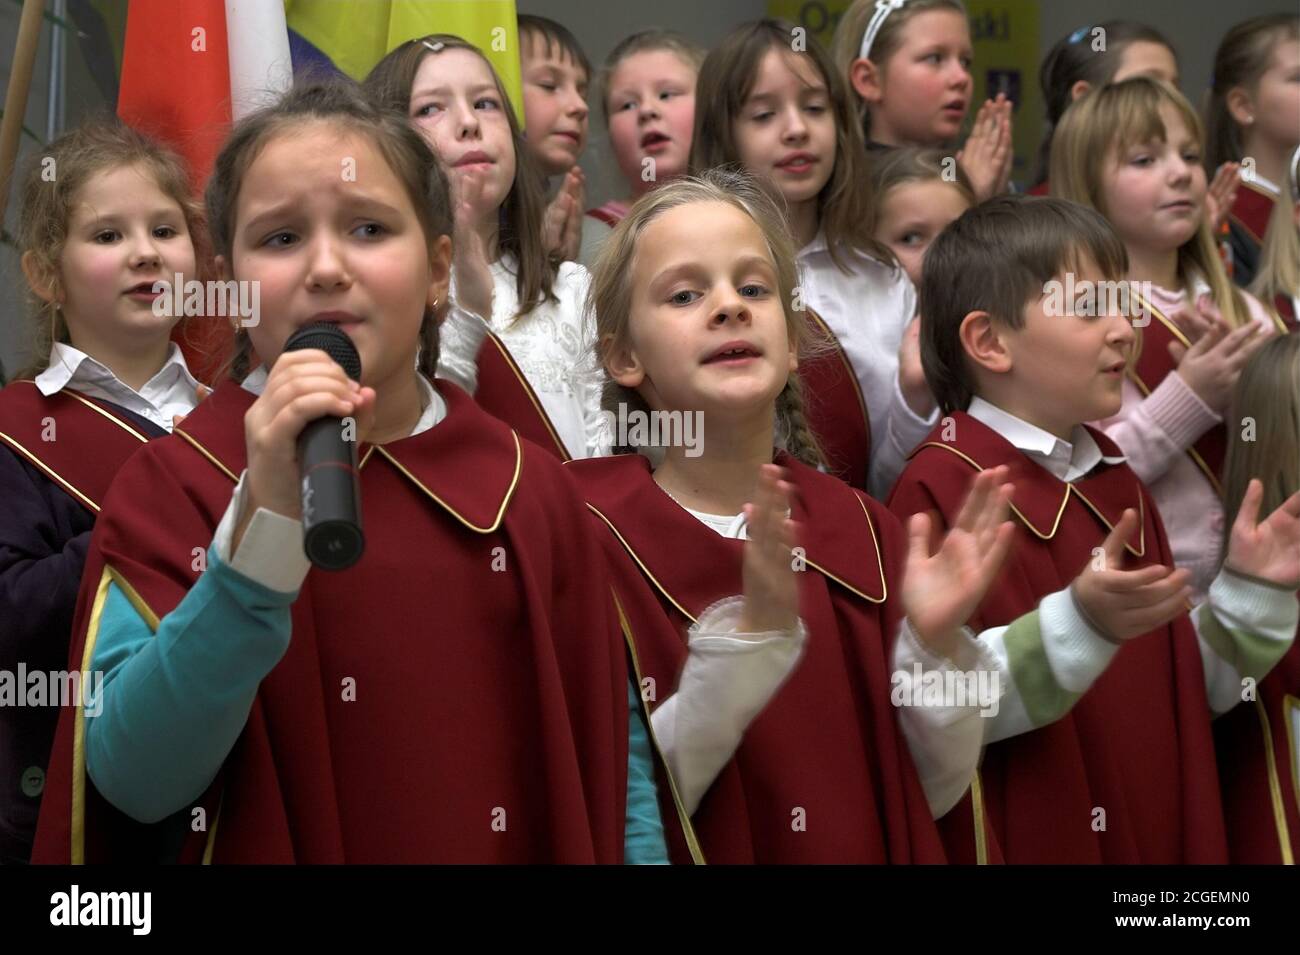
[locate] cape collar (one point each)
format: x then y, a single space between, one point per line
694 567
469 463
1040 498
95 437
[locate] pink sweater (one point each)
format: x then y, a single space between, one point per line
1154 433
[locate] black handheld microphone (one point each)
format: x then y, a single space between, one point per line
327 460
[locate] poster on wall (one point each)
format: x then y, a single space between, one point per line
1005 39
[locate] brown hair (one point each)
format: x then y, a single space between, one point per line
340 103
1268 394
1073 59
553 35
644 42
47 204
524 208
1111 119
846 46
610 294
997 258
844 206
908 164
1243 57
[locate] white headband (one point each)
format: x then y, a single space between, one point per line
883 9
1293 171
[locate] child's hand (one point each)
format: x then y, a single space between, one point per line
1221 195
911 376
303 386
1212 365
771 588
562 226
986 157
940 592
469 260
1195 322
1270 550
1123 604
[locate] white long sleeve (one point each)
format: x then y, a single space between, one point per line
945 729
726 682
459 339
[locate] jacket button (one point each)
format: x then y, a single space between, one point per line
33 781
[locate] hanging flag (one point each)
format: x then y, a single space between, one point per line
351 36
188 67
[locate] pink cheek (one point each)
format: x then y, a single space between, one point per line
99 268
625 141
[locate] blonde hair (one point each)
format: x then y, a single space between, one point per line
846 47
647 41
909 164
610 294
1102 124
1268 393
95 147
1279 259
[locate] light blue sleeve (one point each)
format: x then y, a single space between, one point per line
174 702
643 837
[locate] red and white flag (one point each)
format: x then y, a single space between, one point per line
188 68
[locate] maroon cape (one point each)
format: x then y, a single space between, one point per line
1138 743
823 773
505 393
79 423
1259 769
482 637
836 412
1252 209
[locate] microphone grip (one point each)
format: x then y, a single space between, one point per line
331 498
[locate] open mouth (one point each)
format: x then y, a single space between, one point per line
144 289
798 162
733 352
651 140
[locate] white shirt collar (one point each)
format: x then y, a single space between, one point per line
72 367
170 392
435 408
1067 460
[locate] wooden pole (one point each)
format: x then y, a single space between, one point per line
20 82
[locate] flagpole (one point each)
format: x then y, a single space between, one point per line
20 81
54 115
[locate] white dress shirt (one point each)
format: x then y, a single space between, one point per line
1067 460
172 391
868 308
